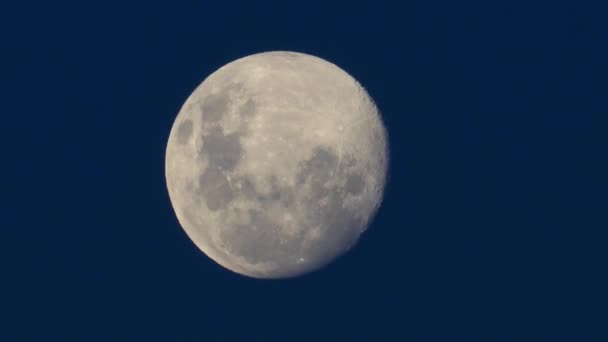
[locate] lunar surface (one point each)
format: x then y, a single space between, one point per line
276 164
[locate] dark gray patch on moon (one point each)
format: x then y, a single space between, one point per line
248 108
339 234
222 151
354 184
339 226
184 131
277 194
287 198
215 189
214 106
319 168
261 241
275 190
349 160
325 209
245 187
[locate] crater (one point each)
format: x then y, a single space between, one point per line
215 189
222 151
214 106
184 132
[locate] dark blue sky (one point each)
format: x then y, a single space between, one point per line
491 228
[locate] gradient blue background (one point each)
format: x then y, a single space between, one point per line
492 227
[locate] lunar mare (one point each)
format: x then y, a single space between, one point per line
276 164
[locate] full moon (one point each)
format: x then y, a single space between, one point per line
276 164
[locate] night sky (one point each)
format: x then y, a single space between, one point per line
491 225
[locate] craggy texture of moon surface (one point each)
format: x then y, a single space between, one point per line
276 164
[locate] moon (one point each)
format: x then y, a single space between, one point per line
276 164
